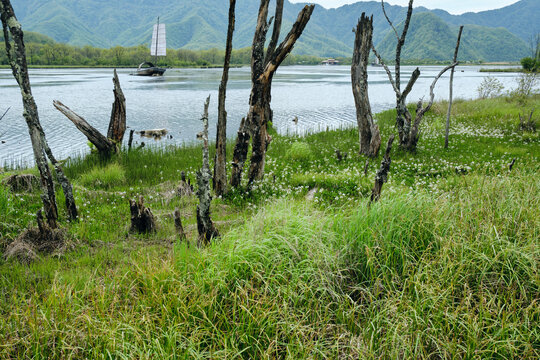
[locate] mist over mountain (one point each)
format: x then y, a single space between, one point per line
497 35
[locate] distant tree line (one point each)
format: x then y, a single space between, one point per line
532 63
58 54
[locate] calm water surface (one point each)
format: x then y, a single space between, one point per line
320 96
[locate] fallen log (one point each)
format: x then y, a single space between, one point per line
102 144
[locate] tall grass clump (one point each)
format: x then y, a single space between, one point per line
448 276
106 177
300 152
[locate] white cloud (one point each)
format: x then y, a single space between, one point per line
454 6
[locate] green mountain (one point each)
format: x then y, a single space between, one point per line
203 24
520 18
33 37
431 38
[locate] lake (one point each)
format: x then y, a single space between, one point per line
320 96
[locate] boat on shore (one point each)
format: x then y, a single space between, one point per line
158 47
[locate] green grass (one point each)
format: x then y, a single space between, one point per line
446 265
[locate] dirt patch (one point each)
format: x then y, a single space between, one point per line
21 183
32 243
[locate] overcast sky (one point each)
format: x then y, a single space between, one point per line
452 6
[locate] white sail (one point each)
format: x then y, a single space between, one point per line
158 47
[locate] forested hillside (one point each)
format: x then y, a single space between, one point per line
198 25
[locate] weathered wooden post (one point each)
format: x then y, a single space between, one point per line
447 132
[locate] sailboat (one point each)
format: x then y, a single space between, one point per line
158 47
377 62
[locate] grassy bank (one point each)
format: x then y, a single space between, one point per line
446 265
503 70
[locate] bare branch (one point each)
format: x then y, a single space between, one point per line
286 45
388 19
415 75
450 94
276 31
401 42
388 72
432 87
5 112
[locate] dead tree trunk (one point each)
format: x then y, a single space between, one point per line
262 70
142 219
220 170
102 144
205 226
370 137
117 125
447 132
408 128
240 154
15 49
382 174
259 123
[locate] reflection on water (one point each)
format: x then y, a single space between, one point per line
320 96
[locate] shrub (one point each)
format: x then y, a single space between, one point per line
526 85
489 88
299 151
529 64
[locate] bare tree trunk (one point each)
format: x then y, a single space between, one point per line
240 154
447 132
220 170
104 145
67 188
205 226
370 138
408 129
117 124
263 68
15 49
260 95
382 174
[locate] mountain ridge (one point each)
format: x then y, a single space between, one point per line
202 25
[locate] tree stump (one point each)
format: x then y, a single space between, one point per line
185 188
23 182
382 173
178 225
142 219
117 124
